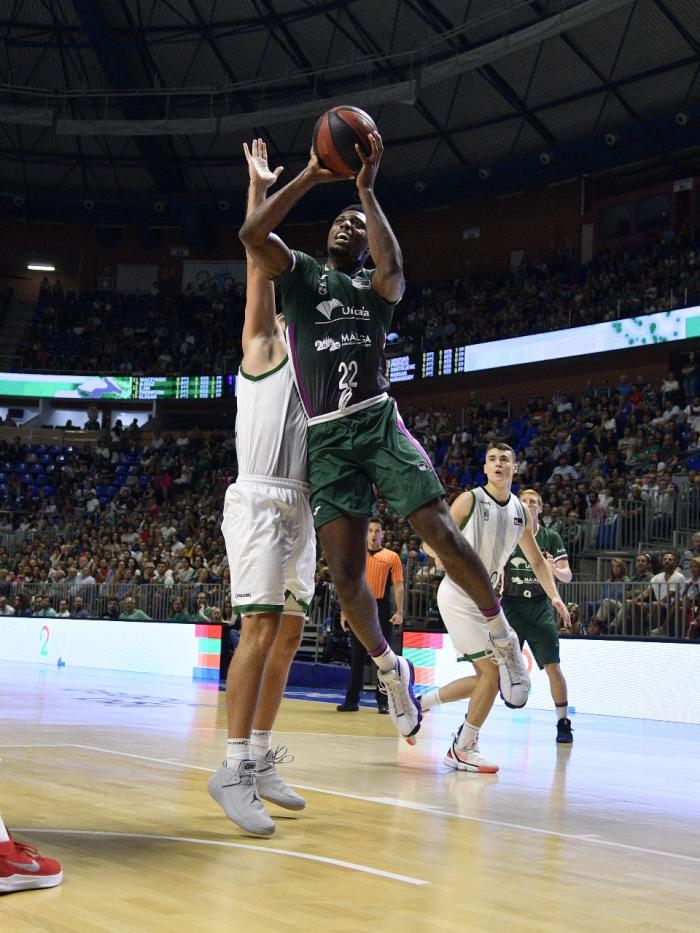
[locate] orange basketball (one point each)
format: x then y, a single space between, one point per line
335 136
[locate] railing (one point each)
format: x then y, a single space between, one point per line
155 599
627 609
633 610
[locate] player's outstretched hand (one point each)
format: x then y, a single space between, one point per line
370 163
560 606
258 169
320 175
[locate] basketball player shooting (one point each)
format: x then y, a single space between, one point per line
338 314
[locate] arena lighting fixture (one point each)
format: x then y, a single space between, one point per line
484 173
611 139
682 118
40 267
545 158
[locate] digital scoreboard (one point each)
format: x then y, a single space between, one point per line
178 387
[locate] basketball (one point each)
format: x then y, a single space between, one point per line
335 135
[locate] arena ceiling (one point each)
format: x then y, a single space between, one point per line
124 99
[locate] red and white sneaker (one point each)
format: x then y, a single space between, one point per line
468 759
22 868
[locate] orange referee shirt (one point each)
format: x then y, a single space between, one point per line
379 565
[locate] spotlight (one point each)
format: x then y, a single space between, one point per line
484 174
611 139
40 267
545 158
88 204
682 118
419 185
18 200
223 205
158 207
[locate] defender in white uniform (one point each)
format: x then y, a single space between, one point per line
267 526
494 522
271 547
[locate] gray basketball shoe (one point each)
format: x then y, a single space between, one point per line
271 786
234 789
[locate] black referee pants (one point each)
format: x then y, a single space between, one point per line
358 658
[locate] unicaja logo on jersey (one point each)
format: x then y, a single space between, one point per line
326 307
322 285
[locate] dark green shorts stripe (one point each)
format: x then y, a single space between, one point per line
256 607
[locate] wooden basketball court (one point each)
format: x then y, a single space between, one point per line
107 772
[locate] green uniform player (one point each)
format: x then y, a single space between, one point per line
336 332
337 315
529 609
527 605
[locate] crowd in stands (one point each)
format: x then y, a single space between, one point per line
614 284
155 334
199 331
116 520
126 529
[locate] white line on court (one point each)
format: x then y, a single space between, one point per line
428 809
339 863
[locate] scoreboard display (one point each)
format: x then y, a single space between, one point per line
146 388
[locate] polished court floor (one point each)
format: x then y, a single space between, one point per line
108 771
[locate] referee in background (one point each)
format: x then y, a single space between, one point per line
381 564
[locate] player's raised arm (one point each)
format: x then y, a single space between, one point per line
268 250
260 327
388 280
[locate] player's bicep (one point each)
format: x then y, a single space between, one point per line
461 508
272 255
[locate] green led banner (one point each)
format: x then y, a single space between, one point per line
116 388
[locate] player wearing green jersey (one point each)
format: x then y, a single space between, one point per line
529 610
337 317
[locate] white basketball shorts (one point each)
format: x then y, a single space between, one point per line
270 544
467 627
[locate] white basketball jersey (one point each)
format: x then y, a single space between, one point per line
494 530
270 425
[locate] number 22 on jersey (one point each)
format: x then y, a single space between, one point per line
347 382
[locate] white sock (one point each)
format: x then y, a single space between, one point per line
468 736
386 661
260 743
431 699
497 622
562 711
4 835
237 750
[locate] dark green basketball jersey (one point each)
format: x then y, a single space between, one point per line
520 578
336 331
